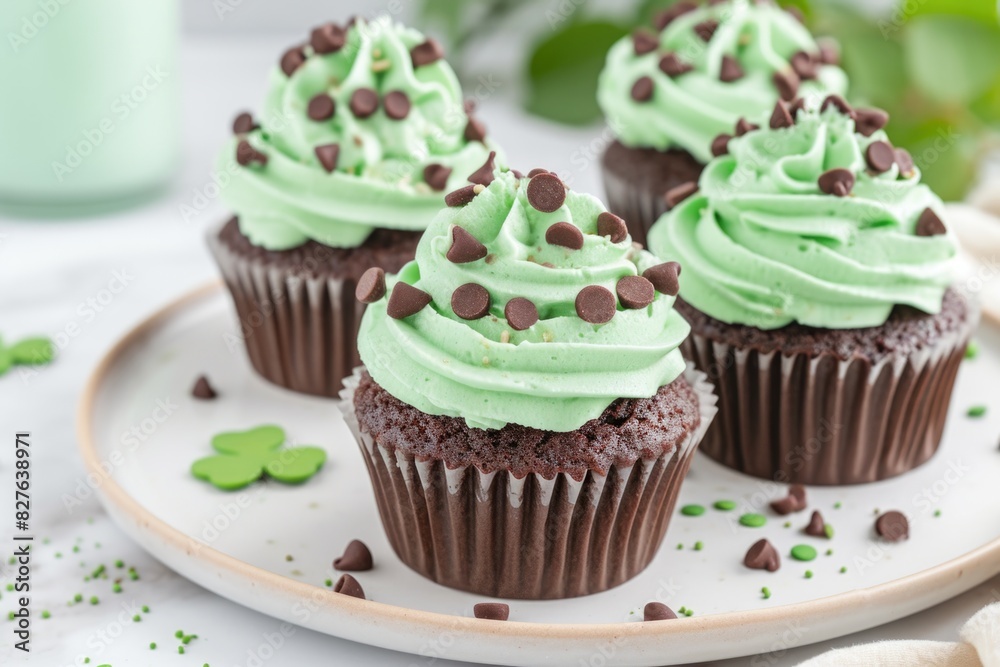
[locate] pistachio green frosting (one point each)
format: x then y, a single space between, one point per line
692 109
762 246
378 180
555 375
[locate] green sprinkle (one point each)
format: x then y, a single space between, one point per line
98 572
829 552
133 575
803 552
186 639
693 510
136 618
117 588
688 612
10 616
753 520
809 574
10 587
152 646
843 569
937 513
180 649
682 610
788 524
766 593
972 351
78 597
680 546
724 505
698 546
76 549
977 411
328 582
828 531
86 661
58 554
94 600
46 614
145 609
119 564
179 634
837 505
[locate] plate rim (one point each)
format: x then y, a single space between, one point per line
974 566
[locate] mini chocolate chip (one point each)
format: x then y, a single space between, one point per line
565 235
426 52
546 193
798 105
609 224
364 102
474 130
795 501
371 286
460 197
596 304
665 277
762 556
892 526
829 52
657 611
635 292
492 611
436 176
465 247
743 126
816 527
667 16
837 182
839 103
246 154
671 65
396 104
782 116
518 175
328 38
348 585
730 70
804 65
321 107
356 558
706 29
880 156
787 84
869 121
202 389
929 224
642 89
644 42
292 59
679 193
470 301
243 123
520 313
406 300
536 171
484 175
720 145
905 162
327 154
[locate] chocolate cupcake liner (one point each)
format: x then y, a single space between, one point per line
531 538
825 421
638 208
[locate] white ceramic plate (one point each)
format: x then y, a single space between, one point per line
270 546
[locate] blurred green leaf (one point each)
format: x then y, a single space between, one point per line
984 11
951 58
945 152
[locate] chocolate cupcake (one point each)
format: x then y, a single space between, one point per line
675 93
525 411
818 283
363 132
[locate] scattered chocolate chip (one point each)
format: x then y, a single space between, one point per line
348 585
837 182
327 154
292 59
892 526
880 156
762 556
905 162
396 104
202 389
243 123
364 102
565 235
546 193
679 193
426 52
328 38
804 65
672 66
644 42
436 176
869 121
782 116
321 107
642 89
474 130
356 558
635 292
465 247
484 175
536 171
665 277
795 501
596 304
520 313
706 29
816 527
492 611
798 105
460 197
787 84
518 175
743 126
667 16
657 611
406 300
839 103
829 52
929 224
470 301
371 285
609 224
720 145
731 70
247 154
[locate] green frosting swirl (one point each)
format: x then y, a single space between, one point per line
762 246
555 375
378 180
692 109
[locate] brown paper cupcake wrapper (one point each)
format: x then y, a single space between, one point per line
531 538
638 208
821 420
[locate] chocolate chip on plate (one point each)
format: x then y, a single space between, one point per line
546 192
893 526
202 389
565 235
609 224
371 285
596 304
356 558
348 585
665 277
492 611
837 182
816 527
465 247
762 556
657 611
520 313
635 291
795 501
406 300
470 301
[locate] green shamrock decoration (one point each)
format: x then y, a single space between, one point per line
246 456
27 352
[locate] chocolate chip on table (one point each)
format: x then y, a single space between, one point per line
406 300
787 83
321 107
730 70
837 182
356 558
665 277
804 65
243 123
706 29
565 235
364 102
880 156
892 526
426 52
667 16
328 38
247 154
292 59
644 42
470 301
782 116
635 291
397 105
868 121
436 176
929 224
202 389
474 130
348 585
609 224
642 89
327 154
461 197
838 103
484 175
492 611
720 145
520 313
596 304
657 611
795 501
546 193
672 66
816 527
762 556
679 193
905 162
743 126
465 247
371 285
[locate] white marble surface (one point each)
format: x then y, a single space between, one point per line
59 278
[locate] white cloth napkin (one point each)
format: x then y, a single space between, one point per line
980 647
